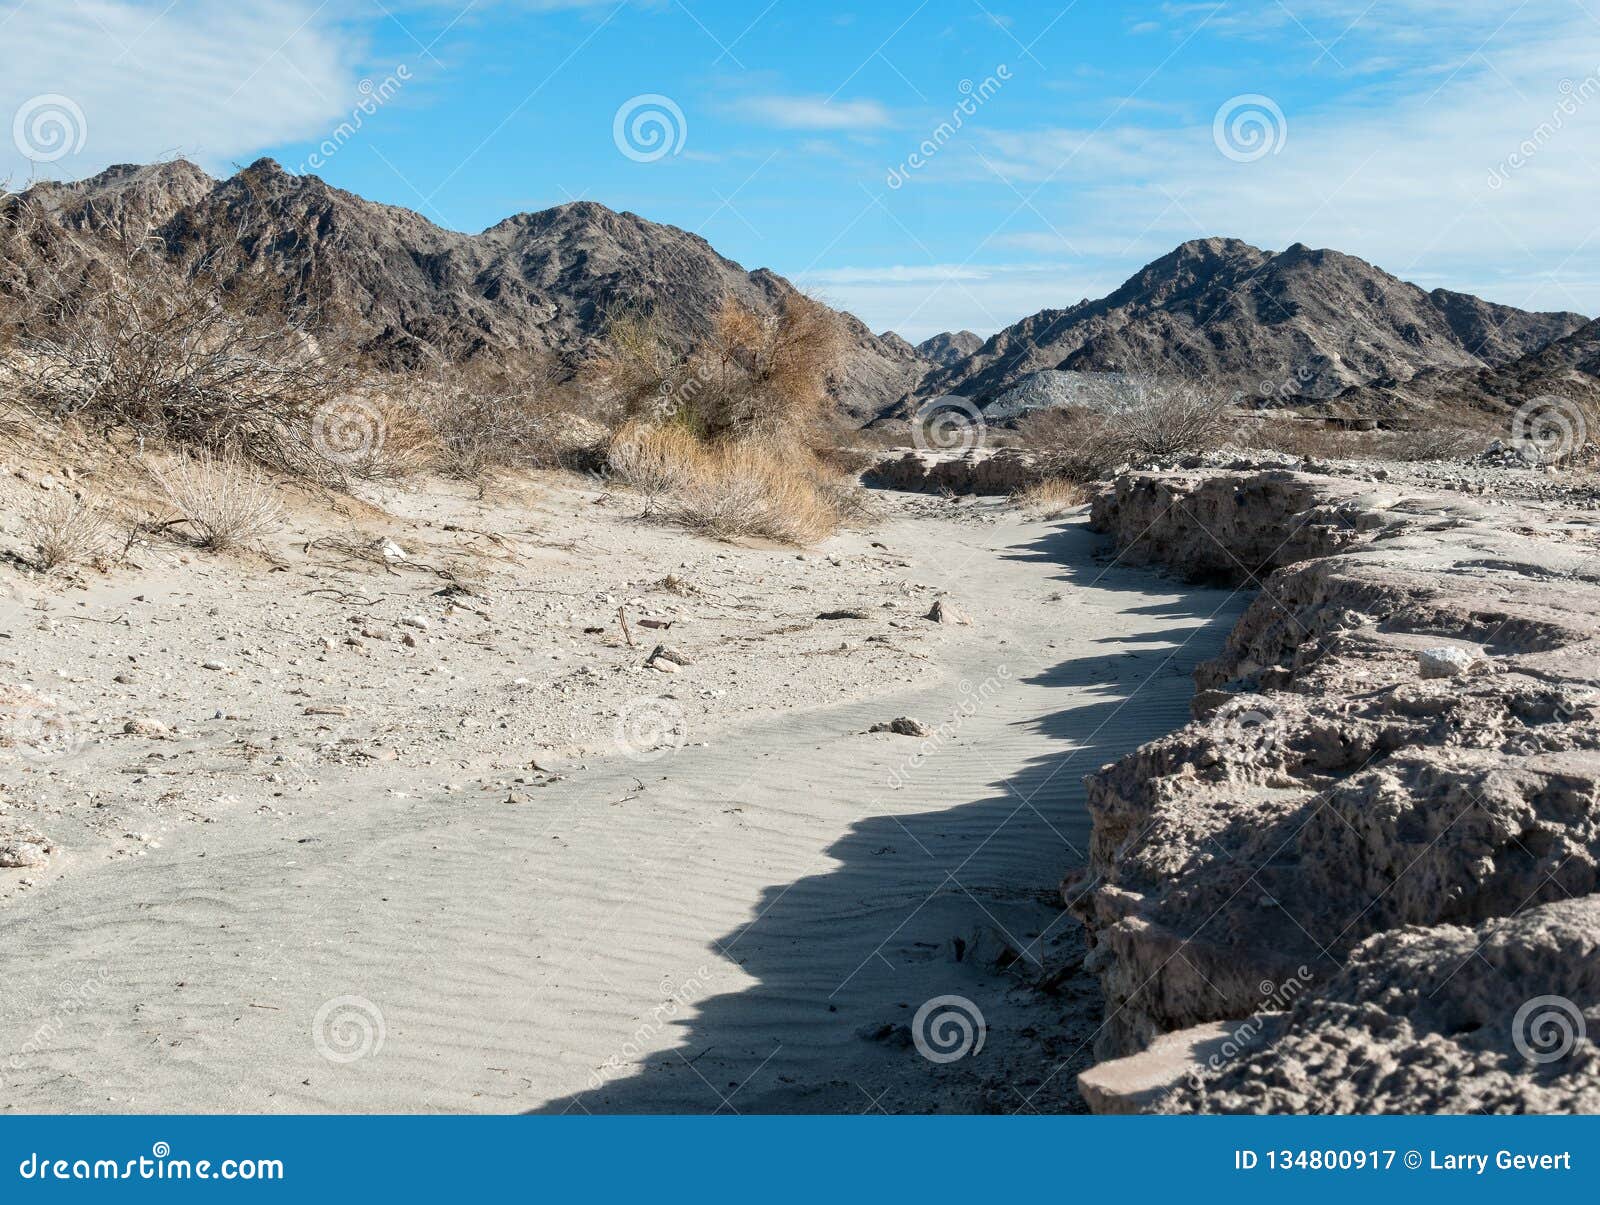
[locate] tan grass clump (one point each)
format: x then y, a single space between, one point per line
1050 497
224 500
730 490
65 532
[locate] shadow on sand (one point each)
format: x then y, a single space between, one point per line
842 960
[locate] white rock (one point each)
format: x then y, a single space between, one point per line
21 855
1446 662
392 551
416 621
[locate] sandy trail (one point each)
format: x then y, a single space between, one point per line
748 925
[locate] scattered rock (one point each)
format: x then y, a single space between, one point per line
847 613
944 611
22 855
1446 662
144 726
904 726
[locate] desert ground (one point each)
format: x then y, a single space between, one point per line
400 821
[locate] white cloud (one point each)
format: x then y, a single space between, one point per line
920 300
815 113
214 83
1405 183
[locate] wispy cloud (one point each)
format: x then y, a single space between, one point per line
816 113
148 79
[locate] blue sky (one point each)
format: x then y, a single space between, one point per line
1451 143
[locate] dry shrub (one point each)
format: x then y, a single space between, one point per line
755 375
729 438
125 342
224 500
65 532
1139 417
510 413
1050 497
731 489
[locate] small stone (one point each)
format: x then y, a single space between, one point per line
22 855
946 612
144 726
420 622
847 613
1446 662
213 665
903 726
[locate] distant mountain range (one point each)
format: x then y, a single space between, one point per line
1300 323
545 280
1312 328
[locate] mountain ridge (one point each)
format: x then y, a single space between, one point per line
1305 322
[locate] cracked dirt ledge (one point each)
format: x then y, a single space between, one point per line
1381 881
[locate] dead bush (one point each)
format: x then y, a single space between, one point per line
755 375
224 500
510 413
65 532
1139 417
134 344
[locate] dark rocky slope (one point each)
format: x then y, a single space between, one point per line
545 280
1301 322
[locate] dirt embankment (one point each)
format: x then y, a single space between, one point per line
1372 854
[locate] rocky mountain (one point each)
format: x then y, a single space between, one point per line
1301 323
1568 368
950 347
546 280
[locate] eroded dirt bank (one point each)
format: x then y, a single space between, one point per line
1370 860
